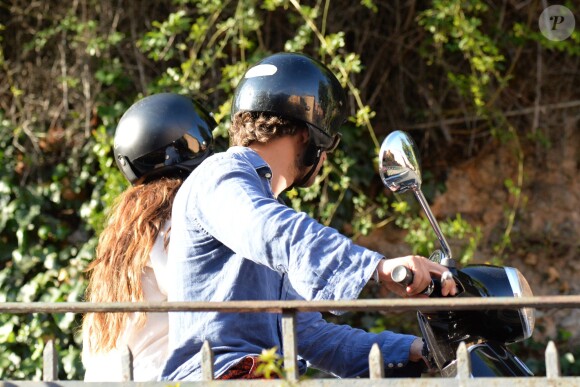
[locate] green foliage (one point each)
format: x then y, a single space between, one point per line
191 43
569 355
37 263
52 207
455 27
46 242
370 5
523 33
108 182
270 365
423 240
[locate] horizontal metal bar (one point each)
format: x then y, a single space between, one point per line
411 382
388 304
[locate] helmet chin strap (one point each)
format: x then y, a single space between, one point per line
310 159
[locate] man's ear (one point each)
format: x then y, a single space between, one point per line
304 135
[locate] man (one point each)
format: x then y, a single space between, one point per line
233 240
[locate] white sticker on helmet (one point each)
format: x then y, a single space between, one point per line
261 70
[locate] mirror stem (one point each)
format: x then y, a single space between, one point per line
434 224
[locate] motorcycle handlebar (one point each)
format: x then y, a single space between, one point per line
404 277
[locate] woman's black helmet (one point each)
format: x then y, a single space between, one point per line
163 134
296 87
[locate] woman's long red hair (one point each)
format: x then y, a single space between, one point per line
134 223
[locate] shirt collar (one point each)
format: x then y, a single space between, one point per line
261 166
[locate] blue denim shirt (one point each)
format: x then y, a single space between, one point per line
232 240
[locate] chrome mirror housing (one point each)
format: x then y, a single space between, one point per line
399 164
400 172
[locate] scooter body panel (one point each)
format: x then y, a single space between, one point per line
494 360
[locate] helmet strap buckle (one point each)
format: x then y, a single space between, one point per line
310 159
125 166
311 154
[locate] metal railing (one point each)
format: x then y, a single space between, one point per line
288 309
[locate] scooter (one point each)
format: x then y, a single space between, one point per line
486 332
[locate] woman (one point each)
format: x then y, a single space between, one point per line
158 142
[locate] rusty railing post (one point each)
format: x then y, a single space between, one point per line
290 346
463 364
126 364
552 361
49 362
206 362
376 363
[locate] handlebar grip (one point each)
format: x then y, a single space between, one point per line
404 276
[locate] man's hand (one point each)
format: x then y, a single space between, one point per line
423 270
419 353
416 350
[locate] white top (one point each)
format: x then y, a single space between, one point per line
148 344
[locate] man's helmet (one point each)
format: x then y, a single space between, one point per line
296 87
162 135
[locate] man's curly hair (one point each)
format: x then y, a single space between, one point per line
248 128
